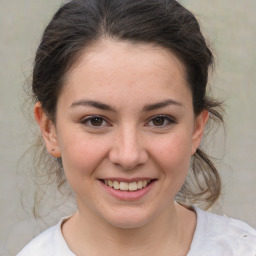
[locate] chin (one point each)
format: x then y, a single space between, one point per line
129 219
128 223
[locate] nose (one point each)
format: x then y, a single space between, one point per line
127 150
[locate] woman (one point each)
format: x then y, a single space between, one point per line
120 99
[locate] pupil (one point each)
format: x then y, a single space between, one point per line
158 121
96 121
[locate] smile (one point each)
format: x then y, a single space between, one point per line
128 189
127 186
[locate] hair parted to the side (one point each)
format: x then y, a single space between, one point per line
166 23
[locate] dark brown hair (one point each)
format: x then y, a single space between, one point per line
166 23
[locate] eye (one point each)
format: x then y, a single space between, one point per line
95 121
161 121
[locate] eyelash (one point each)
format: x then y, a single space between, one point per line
167 121
88 121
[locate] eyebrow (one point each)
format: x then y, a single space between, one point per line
162 104
102 106
92 103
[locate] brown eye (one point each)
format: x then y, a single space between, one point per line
161 121
158 121
96 121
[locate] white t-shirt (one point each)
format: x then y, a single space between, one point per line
214 236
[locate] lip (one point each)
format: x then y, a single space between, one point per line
128 180
129 195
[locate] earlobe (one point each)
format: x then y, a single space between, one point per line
48 130
200 123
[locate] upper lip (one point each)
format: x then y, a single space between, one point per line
128 180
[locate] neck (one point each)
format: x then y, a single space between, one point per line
87 234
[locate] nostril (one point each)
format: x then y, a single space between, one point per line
127 158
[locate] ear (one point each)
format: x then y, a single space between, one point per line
48 130
198 132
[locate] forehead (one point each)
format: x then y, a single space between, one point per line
126 54
110 67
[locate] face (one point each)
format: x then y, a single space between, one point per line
126 130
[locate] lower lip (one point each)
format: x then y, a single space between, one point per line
129 195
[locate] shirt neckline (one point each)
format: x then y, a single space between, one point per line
198 238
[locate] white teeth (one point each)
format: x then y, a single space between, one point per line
125 186
116 185
133 186
144 183
139 185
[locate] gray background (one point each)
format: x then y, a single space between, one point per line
230 27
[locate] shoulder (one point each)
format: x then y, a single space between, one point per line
50 243
220 235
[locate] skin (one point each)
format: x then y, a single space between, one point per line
128 141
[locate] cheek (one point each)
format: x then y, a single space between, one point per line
174 154
81 155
